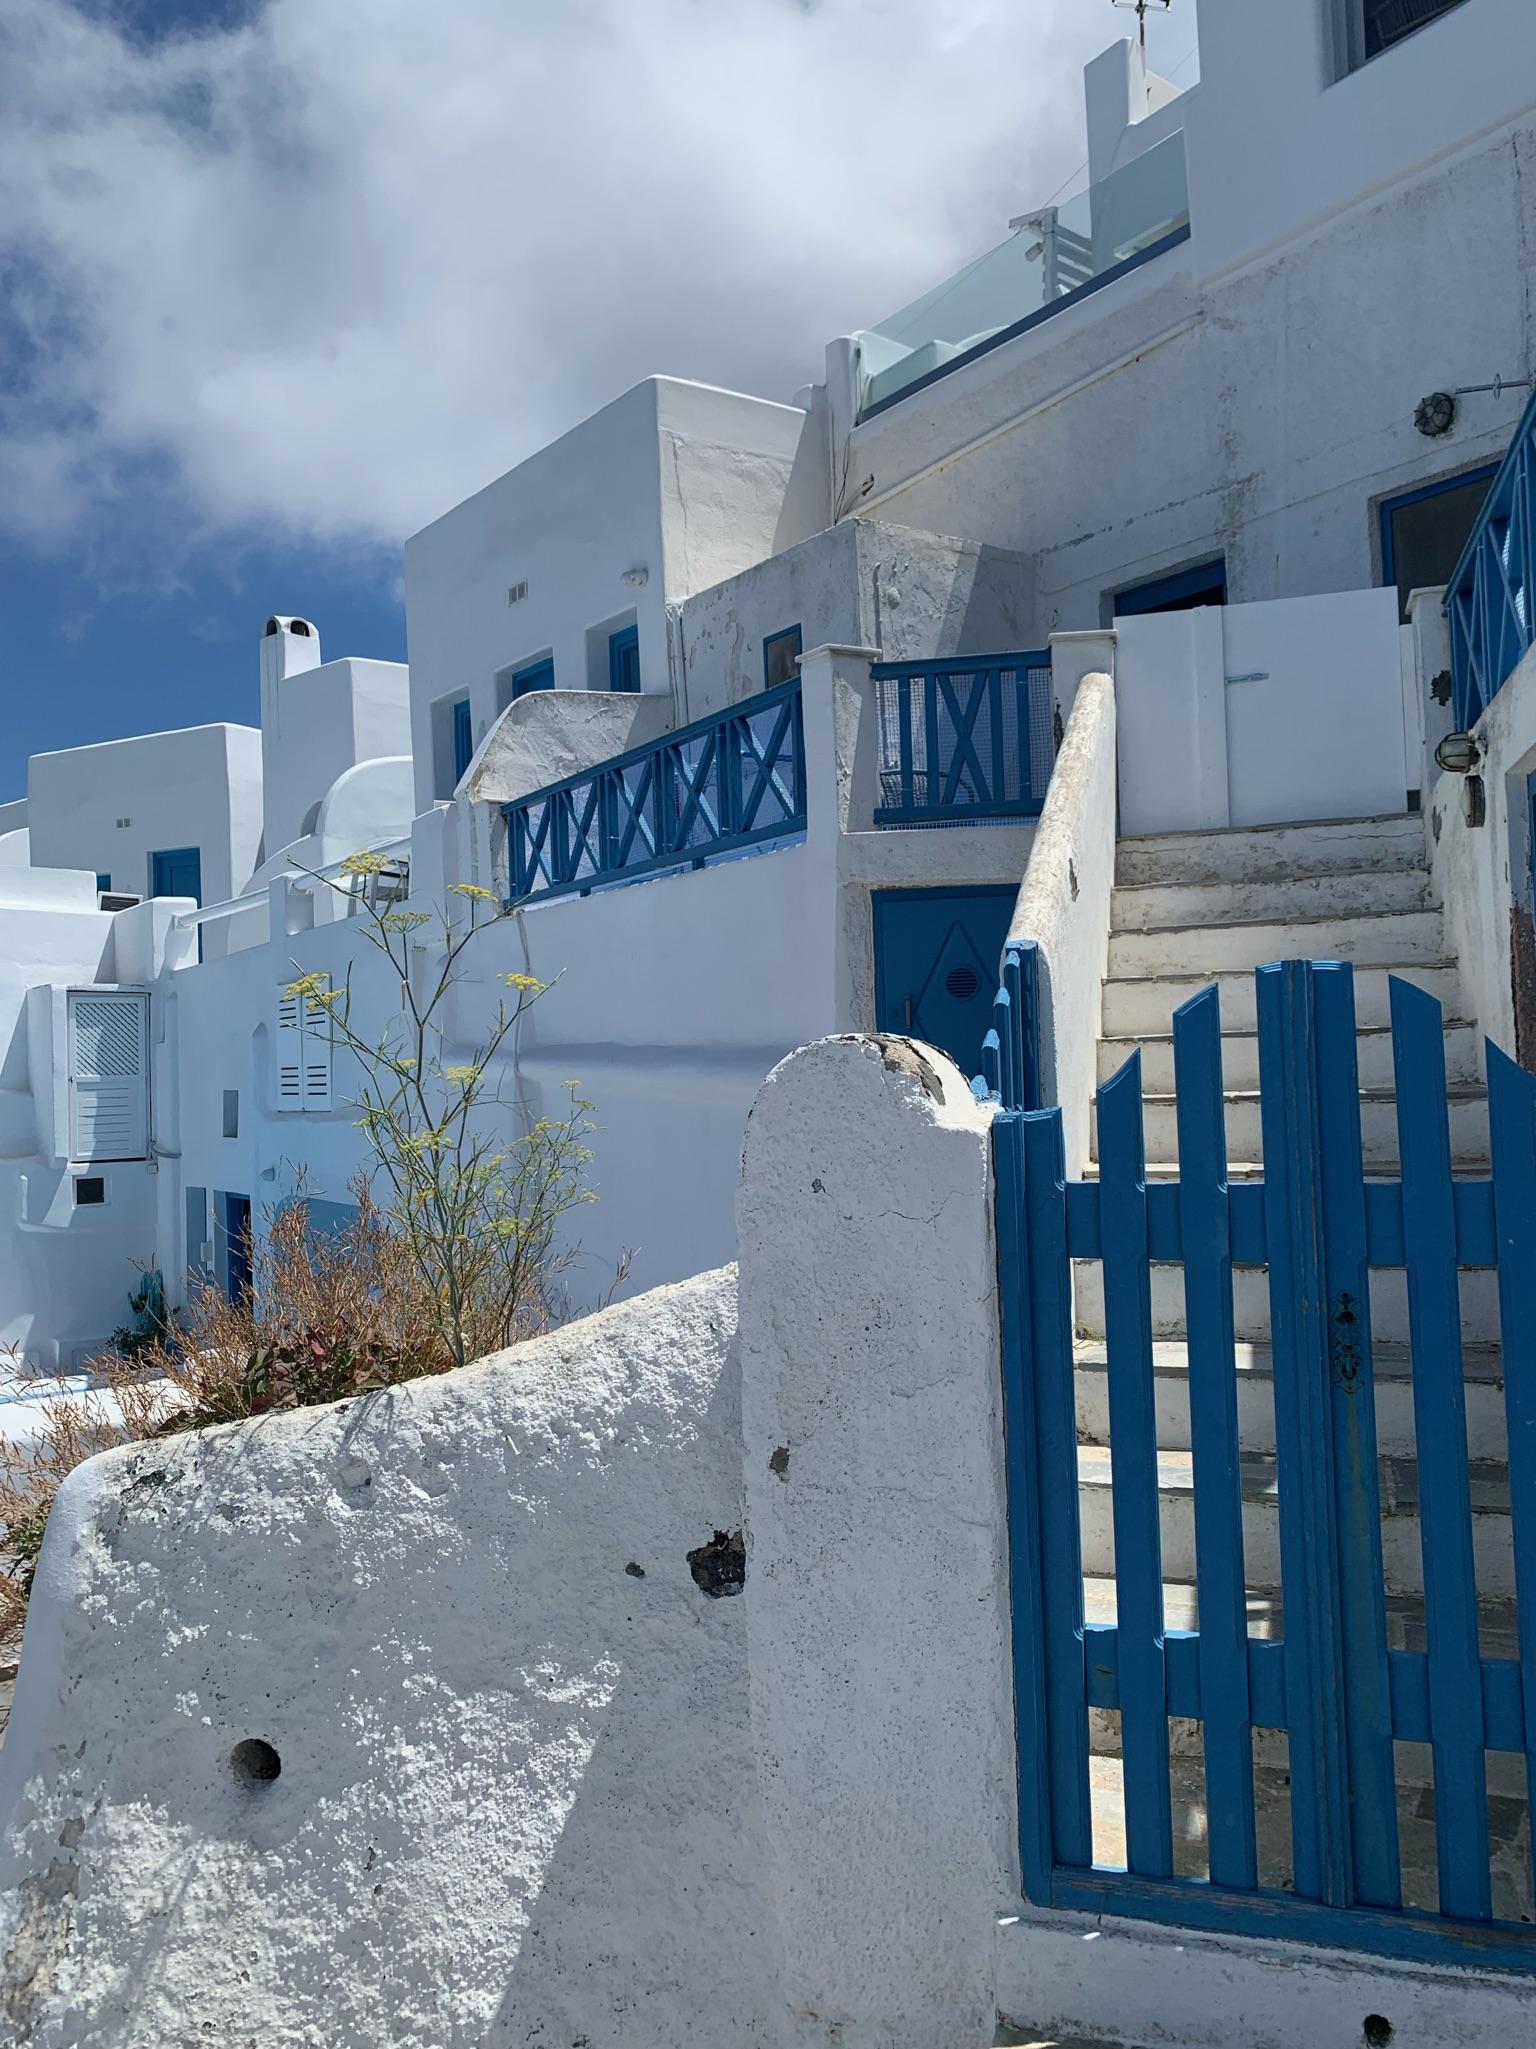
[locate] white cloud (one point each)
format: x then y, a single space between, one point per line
325 273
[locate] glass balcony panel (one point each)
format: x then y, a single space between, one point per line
1054 254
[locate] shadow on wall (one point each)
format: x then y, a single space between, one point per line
932 596
442 1691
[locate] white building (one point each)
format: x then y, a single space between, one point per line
1197 383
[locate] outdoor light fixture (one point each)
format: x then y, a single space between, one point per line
1458 753
1435 415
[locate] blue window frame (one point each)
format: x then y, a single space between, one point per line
177 871
536 676
624 659
781 657
1203 583
103 879
463 738
1424 531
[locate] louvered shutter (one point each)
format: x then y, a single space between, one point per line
288 1053
317 1055
108 1075
303 1053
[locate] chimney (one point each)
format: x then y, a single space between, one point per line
287 646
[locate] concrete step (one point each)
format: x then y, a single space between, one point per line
1397 937
1250 1303
1338 893
1137 1003
1482 1369
1240 1058
1401 1537
1378 1127
1270 852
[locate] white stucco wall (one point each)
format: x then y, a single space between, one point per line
65 1273
664 491
317 724
517 1797
1482 874
1252 392
199 787
861 583
877 1605
1064 899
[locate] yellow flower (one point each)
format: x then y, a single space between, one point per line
474 889
528 982
364 864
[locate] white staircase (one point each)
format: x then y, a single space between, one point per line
1190 909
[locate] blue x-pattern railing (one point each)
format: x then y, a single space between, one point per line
1489 600
966 738
711 788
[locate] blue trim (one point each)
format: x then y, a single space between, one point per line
538 675
164 877
707 790
1164 592
463 739
1042 313
773 641
103 879
624 659
1489 600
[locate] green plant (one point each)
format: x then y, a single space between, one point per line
476 1203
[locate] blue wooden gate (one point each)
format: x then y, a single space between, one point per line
1330 1676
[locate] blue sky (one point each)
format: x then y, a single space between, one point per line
282 280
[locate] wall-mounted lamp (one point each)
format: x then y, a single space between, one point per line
1435 415
1458 754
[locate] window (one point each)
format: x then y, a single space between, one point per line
90 1190
624 659
533 676
781 657
1423 532
103 879
1371 26
108 1070
231 1113
302 1051
463 739
1204 584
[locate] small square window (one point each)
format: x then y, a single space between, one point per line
781 657
90 1190
103 879
231 1113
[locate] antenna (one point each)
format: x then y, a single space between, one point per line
1141 7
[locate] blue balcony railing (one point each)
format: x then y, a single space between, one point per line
1489 600
964 740
709 789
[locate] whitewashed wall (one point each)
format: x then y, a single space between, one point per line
663 492
318 723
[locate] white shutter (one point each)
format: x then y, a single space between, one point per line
317 1055
288 1053
302 1052
108 1075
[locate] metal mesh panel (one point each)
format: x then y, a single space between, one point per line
964 742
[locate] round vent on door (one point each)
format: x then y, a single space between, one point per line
962 983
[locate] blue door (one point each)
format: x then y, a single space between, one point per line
937 953
178 871
463 740
624 659
232 1253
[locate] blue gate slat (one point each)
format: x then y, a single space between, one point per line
1133 1459
1181 1665
1021 1439
1372 1814
1298 1337
1222 1642
1061 1558
1440 1432
1512 1125
1503 1701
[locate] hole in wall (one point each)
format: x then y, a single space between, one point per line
719 1567
255 1762
1376 2030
